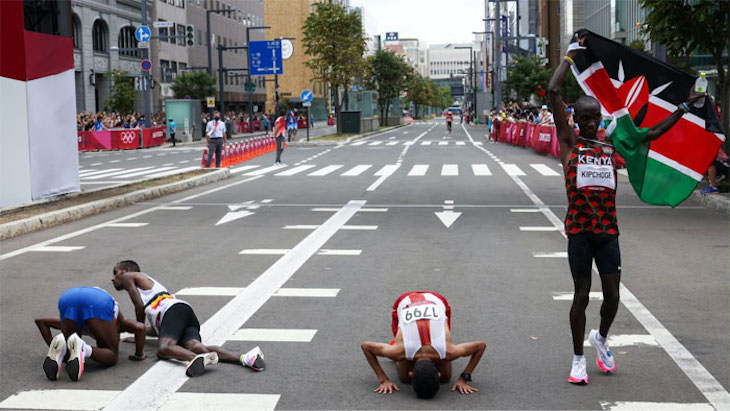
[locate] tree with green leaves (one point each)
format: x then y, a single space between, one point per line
388 74
420 92
335 43
196 85
526 76
446 99
121 99
686 27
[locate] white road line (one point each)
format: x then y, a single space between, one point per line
161 154
158 383
480 170
387 170
146 156
57 248
263 171
525 210
273 334
83 400
84 172
108 170
705 382
114 161
171 172
241 169
460 143
139 173
282 292
539 228
95 164
126 225
131 158
512 170
426 143
176 208
356 171
555 254
478 143
168 164
654 406
325 170
568 296
392 143
325 251
344 227
627 340
362 210
418 170
295 170
375 143
358 143
450 170
392 168
544 170
443 143
183 161
264 251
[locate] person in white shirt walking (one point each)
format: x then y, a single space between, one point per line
215 136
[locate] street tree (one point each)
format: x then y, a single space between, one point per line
446 99
420 92
706 31
121 98
388 74
526 76
335 43
196 85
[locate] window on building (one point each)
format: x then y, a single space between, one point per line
76 32
181 67
100 36
181 35
126 41
162 33
173 70
180 3
164 71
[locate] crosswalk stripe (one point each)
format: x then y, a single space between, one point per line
654 406
460 143
108 170
387 170
281 292
139 173
295 170
116 173
326 170
593 296
273 334
425 143
481 170
392 143
84 172
418 170
126 225
443 143
263 170
282 251
375 143
513 170
539 228
171 172
241 169
450 170
357 170
358 143
556 254
58 248
544 170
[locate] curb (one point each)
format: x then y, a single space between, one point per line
719 202
53 218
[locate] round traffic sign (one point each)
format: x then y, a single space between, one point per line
146 65
287 48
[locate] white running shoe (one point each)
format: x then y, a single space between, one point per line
196 366
578 373
604 358
54 359
75 363
253 359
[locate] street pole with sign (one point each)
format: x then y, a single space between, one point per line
145 73
307 102
248 78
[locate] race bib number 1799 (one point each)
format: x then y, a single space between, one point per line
421 312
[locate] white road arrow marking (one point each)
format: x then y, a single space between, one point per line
447 217
233 215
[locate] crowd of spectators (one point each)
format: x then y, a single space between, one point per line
88 121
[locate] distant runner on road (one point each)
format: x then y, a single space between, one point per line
449 120
174 321
422 348
91 311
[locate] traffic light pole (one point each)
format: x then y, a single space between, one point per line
222 70
248 79
147 84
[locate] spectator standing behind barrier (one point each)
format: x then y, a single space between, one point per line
545 116
172 127
99 123
291 126
215 136
279 133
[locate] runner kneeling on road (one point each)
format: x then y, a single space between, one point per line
175 323
91 311
422 348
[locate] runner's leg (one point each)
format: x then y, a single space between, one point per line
106 335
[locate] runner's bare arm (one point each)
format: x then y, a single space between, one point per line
44 326
138 330
664 125
129 284
372 351
565 133
475 349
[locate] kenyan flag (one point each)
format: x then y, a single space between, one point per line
636 89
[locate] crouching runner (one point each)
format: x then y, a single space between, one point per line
422 348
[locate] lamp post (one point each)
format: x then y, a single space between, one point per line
248 78
471 75
276 85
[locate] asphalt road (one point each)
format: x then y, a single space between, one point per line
307 261
101 169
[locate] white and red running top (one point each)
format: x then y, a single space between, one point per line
422 320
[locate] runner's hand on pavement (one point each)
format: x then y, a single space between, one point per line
135 357
463 387
386 387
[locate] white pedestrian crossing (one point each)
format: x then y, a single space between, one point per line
450 170
425 143
387 170
326 170
375 143
357 170
544 170
392 143
139 173
116 173
358 143
108 170
480 170
171 172
418 170
295 170
513 170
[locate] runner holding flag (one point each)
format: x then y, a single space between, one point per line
590 223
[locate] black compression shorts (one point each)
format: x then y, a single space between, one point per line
585 247
181 324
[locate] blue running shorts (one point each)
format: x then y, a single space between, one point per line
81 303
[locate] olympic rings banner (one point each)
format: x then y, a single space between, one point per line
120 138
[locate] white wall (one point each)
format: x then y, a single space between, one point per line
14 150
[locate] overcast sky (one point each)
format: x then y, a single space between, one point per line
432 21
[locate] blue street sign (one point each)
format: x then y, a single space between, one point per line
307 96
143 33
146 65
264 57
